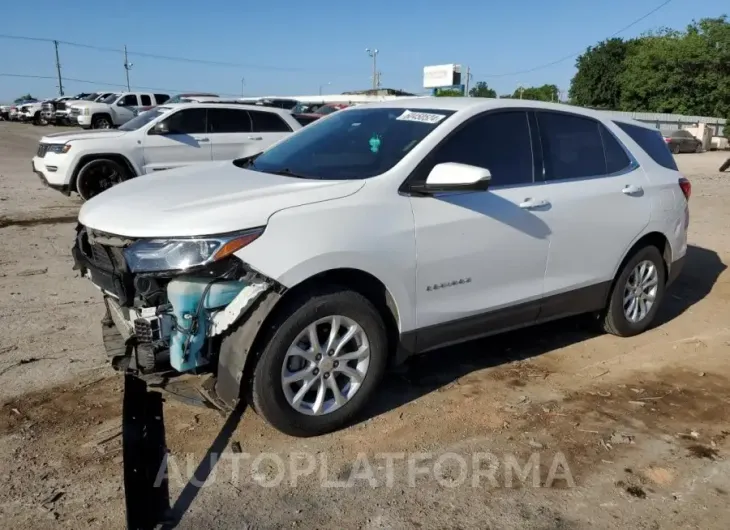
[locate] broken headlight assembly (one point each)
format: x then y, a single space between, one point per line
180 254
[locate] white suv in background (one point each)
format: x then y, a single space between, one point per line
168 136
115 110
380 231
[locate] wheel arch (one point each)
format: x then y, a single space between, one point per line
85 159
654 238
104 114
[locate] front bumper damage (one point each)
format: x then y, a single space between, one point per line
174 322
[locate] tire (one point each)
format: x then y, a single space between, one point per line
698 149
99 175
675 149
267 389
615 320
37 119
101 122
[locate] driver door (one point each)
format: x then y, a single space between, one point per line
184 143
124 109
481 254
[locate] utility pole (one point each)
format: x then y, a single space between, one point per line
58 69
374 54
243 83
127 67
466 84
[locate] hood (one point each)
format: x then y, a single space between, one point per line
90 104
63 137
204 199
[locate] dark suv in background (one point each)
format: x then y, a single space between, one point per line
682 142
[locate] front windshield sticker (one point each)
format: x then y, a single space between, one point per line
375 143
423 117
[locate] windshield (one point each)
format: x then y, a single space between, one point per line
91 97
303 108
142 119
111 98
326 109
178 99
350 145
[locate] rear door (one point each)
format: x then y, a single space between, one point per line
597 208
268 128
231 133
186 142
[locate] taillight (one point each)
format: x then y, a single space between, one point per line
667 140
686 187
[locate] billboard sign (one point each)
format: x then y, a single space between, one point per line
443 75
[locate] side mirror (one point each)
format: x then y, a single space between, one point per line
161 128
453 176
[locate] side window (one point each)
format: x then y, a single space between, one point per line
499 142
130 100
161 98
146 101
264 122
572 146
616 157
188 121
228 121
651 141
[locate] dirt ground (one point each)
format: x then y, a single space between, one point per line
622 433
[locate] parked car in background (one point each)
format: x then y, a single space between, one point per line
280 103
168 136
5 112
31 112
305 108
115 110
682 142
191 97
306 118
298 276
54 110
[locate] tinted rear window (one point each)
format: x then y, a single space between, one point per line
652 142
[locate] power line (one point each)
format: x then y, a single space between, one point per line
572 55
100 83
158 56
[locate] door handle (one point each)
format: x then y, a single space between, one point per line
255 138
630 189
203 139
532 204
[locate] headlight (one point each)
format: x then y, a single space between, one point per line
58 148
156 255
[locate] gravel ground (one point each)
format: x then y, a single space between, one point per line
621 433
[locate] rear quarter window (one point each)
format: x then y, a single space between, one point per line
652 142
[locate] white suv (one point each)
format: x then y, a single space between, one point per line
165 137
381 231
115 110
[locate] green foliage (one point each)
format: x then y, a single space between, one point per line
449 93
682 72
482 90
538 93
23 98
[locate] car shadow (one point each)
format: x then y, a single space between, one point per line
423 374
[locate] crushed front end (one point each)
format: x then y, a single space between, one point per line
168 301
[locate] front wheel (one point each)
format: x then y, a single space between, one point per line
99 175
101 122
636 294
323 360
698 149
676 149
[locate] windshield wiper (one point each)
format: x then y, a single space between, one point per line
286 172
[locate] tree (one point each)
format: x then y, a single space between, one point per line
540 93
23 98
482 90
671 71
597 82
449 93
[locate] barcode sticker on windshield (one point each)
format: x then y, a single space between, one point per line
423 117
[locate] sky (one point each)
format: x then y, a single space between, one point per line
282 47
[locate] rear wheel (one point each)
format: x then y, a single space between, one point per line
675 149
323 360
99 175
698 149
637 293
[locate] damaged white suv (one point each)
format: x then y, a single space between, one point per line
295 276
